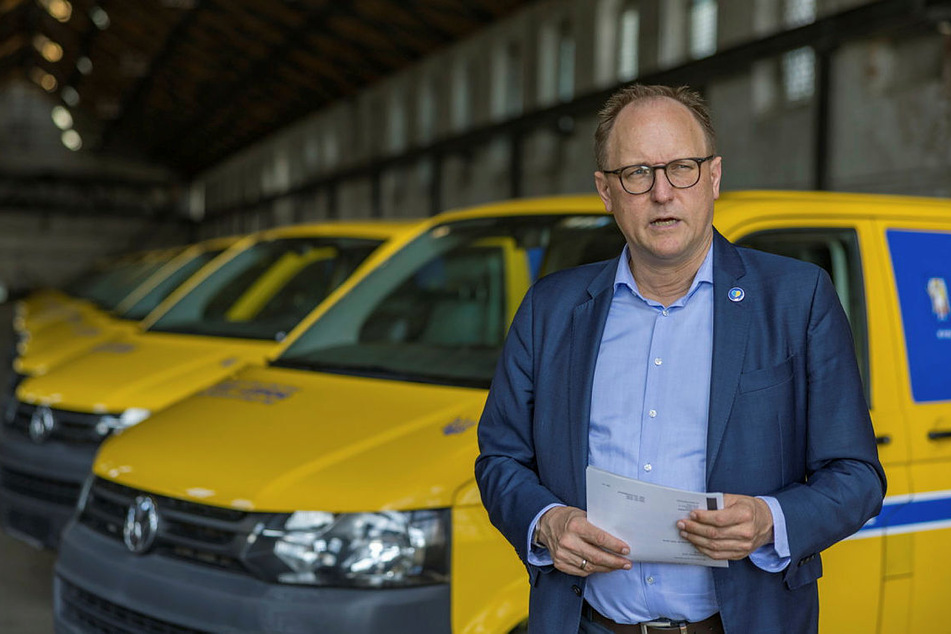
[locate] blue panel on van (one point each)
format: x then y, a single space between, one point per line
922 265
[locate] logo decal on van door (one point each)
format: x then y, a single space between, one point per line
922 269
458 426
938 292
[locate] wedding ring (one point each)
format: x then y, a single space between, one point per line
584 564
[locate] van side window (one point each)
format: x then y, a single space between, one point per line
457 299
837 251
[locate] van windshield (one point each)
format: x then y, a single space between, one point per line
163 289
438 310
110 286
265 290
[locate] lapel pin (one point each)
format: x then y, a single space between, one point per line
736 294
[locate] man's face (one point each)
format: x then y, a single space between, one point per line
665 227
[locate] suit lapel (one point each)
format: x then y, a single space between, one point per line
587 326
730 326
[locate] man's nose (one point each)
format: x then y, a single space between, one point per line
662 191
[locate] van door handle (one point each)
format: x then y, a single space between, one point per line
883 440
939 435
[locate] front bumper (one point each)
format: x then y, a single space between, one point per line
39 486
102 586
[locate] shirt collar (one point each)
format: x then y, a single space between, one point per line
624 277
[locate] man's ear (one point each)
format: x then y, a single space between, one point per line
604 189
716 171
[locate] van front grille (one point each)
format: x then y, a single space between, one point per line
98 615
46 489
75 428
202 534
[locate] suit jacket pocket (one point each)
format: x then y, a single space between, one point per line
766 377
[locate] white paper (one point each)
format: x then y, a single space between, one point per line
645 516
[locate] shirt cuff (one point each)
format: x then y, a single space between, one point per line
773 557
538 555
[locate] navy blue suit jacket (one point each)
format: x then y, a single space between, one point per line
788 418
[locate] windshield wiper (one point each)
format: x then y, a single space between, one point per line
341 368
380 372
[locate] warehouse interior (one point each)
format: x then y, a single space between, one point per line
190 118
139 124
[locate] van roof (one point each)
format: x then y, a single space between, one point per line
865 205
379 229
843 204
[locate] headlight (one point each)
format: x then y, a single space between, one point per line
128 418
384 549
22 336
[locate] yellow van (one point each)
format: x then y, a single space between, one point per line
103 287
112 310
229 314
55 326
51 325
334 488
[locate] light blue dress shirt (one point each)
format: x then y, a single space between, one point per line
649 410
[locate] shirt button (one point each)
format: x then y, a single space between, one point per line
665 312
650 580
652 413
658 361
648 467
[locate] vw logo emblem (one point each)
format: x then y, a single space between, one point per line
41 423
141 525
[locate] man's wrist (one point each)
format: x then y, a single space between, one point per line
534 533
535 536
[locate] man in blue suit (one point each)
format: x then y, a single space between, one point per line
686 362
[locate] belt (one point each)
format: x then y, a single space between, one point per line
710 625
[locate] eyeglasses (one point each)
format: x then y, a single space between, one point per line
681 173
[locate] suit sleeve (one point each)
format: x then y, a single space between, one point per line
506 466
845 482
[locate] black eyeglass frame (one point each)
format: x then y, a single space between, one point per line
653 170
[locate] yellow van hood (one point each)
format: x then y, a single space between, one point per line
284 440
147 370
67 340
77 312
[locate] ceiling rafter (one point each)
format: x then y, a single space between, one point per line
351 37
390 33
184 85
8 7
226 92
473 11
426 26
295 108
12 60
87 35
145 83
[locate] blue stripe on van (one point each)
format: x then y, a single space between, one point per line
903 514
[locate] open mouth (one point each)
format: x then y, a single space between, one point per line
664 222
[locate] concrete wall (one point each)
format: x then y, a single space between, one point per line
896 96
43 249
48 244
889 126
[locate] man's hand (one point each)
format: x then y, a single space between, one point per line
739 528
578 547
